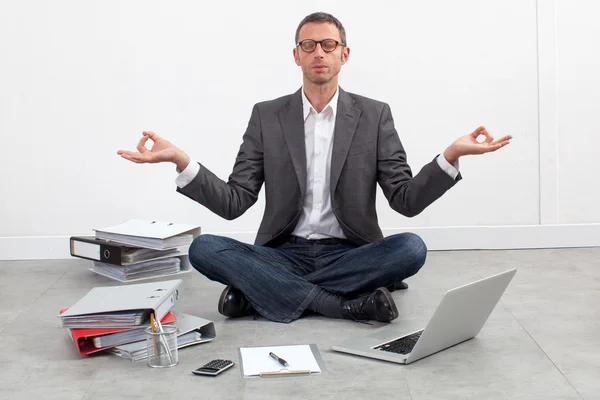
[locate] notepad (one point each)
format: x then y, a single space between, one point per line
257 362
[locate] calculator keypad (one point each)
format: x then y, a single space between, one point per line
214 367
217 364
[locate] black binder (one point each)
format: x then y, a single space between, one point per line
90 248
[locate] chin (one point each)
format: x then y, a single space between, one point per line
320 80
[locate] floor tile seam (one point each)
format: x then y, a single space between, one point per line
407 387
37 298
95 376
532 338
24 310
542 350
54 283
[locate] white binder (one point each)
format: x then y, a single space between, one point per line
159 235
145 270
122 306
191 330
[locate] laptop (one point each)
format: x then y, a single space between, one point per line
460 316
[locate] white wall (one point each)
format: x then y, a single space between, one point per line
578 109
81 79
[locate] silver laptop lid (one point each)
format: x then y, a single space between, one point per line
461 314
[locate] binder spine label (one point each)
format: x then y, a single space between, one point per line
87 250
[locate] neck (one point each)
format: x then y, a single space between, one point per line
320 95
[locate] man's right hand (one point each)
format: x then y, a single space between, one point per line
162 151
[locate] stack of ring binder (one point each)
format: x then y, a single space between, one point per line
137 249
114 319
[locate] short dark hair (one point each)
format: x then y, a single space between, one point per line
322 17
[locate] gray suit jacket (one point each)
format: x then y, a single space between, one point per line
366 151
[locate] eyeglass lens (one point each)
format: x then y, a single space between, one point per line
310 45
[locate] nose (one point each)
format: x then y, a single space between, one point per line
318 51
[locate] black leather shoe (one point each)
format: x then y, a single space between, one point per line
233 303
378 306
398 286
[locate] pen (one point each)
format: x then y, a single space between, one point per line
279 359
163 340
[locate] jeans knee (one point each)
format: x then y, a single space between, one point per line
411 247
203 247
418 249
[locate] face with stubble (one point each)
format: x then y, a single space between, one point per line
320 62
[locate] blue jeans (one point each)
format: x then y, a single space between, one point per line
281 282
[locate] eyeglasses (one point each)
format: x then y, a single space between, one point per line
328 45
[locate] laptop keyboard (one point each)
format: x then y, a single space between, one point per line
403 345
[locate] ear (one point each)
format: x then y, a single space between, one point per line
296 56
345 55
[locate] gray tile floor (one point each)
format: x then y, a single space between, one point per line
541 342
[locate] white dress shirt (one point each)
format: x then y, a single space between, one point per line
317 220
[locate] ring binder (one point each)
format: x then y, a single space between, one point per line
122 306
158 235
115 253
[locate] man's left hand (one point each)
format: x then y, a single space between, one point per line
469 144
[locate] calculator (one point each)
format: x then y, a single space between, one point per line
214 367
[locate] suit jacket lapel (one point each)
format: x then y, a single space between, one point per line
345 126
292 123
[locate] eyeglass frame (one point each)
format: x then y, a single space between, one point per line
320 42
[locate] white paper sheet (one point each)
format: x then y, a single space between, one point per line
256 360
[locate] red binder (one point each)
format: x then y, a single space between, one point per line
83 337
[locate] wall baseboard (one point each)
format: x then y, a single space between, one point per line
436 238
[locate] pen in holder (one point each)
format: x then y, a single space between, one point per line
159 328
162 346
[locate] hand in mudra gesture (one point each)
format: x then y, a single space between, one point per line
162 151
468 144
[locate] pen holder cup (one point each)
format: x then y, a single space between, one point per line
162 347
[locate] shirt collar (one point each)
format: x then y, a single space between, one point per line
333 103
